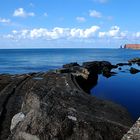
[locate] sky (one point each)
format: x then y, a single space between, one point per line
69 23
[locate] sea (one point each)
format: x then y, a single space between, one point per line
122 88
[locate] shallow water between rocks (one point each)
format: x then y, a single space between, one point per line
122 88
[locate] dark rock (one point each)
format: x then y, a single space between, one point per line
70 65
124 64
63 70
88 83
114 66
56 107
100 67
120 68
138 63
134 70
108 74
134 60
97 66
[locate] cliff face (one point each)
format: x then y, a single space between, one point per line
132 46
56 106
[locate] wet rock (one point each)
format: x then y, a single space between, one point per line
134 70
59 107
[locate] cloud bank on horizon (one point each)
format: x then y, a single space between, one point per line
60 23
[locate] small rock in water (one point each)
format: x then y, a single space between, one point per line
120 68
138 63
133 70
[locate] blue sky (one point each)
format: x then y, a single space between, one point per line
69 23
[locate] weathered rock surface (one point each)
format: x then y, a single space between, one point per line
56 106
134 132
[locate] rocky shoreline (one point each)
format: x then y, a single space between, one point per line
56 105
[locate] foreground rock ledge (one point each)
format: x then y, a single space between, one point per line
134 132
56 106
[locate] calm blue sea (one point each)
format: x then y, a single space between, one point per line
123 88
34 60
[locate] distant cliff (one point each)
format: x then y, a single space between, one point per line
132 46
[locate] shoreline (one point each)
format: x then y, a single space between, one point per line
57 104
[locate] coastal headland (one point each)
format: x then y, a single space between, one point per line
132 46
57 105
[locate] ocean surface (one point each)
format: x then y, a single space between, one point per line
123 88
36 60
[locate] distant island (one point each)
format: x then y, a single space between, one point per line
132 46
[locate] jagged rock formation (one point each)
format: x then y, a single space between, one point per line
57 106
134 132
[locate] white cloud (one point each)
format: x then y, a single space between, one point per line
80 19
136 35
95 14
20 12
114 32
3 20
55 33
89 36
